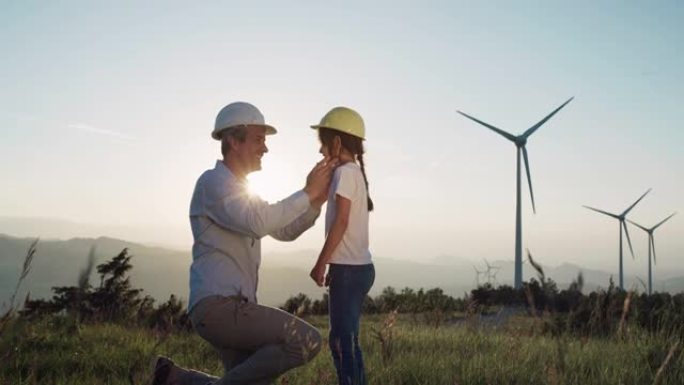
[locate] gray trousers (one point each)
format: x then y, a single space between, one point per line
256 343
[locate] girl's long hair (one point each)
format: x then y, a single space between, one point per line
352 144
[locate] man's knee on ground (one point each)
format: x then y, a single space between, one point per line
316 345
308 345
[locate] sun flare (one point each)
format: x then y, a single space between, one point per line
275 181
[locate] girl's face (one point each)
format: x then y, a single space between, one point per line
324 151
331 151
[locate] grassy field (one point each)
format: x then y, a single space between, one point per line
55 351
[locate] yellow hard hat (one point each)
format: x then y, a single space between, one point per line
345 120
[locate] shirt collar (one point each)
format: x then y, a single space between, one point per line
223 169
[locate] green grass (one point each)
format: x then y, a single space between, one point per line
55 351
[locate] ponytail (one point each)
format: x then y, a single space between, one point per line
365 179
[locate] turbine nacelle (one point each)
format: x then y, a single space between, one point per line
650 231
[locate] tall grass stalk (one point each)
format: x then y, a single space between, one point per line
25 269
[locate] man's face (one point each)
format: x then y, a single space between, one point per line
250 151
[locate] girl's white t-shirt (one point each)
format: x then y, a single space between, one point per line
347 182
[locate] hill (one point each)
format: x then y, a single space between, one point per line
162 272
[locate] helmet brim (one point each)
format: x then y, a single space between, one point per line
270 130
317 126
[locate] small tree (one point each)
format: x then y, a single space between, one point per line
169 315
115 299
299 305
320 307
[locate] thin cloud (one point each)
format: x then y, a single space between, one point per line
100 131
75 126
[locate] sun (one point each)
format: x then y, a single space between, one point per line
276 180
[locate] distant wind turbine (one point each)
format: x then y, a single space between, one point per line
494 276
491 272
623 225
520 141
477 276
651 246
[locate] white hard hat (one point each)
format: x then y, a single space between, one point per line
239 114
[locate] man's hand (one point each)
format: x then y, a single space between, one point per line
318 274
318 180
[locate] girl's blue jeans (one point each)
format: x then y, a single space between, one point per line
349 285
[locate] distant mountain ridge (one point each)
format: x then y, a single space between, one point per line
162 272
175 237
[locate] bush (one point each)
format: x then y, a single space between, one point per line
114 300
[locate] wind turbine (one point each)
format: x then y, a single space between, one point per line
621 218
494 276
491 272
477 276
651 245
520 141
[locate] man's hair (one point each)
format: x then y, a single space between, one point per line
239 133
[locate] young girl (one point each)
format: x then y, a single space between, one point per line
351 273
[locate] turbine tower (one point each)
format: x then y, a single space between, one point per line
651 246
477 276
520 141
623 225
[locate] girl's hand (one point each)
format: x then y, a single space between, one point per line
318 274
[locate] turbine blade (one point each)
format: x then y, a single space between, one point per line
629 241
641 281
602 212
534 264
497 130
653 248
635 203
534 128
529 178
663 221
637 225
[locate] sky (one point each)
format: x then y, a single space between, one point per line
106 112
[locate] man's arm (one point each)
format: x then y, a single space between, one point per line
249 215
298 226
232 207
